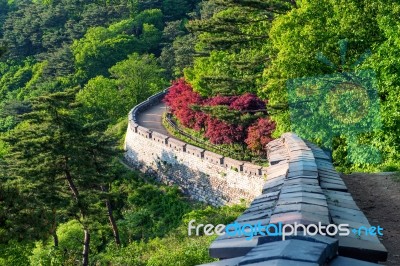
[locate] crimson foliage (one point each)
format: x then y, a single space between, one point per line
259 134
220 132
248 102
181 99
245 102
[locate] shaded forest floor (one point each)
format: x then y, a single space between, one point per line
378 196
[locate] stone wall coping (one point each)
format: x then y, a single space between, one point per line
253 166
143 129
194 148
292 195
159 135
228 160
212 154
176 142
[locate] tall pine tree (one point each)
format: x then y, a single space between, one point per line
62 164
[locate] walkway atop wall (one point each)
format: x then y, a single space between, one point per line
152 118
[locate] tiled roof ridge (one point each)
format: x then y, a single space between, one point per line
302 187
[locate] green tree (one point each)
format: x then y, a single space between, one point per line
32 27
102 47
233 46
138 77
102 100
299 37
61 163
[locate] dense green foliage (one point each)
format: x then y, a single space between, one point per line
268 47
300 37
69 73
70 70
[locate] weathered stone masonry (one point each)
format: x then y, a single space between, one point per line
201 174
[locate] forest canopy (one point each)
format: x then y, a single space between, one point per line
243 72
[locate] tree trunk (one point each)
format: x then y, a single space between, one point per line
55 239
54 229
113 224
71 184
86 245
75 192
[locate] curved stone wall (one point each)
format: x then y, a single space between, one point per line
201 174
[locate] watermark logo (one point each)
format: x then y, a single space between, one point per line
344 103
249 231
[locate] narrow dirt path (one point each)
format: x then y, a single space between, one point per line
378 196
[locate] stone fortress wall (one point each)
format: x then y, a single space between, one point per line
302 187
203 175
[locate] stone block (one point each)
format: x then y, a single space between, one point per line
145 132
264 202
233 164
266 197
160 138
303 165
196 151
300 207
324 163
301 217
251 169
343 210
331 248
133 126
273 185
302 194
341 194
277 160
342 204
331 180
344 261
231 247
277 167
213 157
332 186
361 249
339 201
177 144
292 174
302 180
300 187
291 250
306 200
354 216
326 174
266 206
254 216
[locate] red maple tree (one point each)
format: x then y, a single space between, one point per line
219 129
259 134
180 99
220 132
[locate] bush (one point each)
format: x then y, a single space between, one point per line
222 119
68 252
